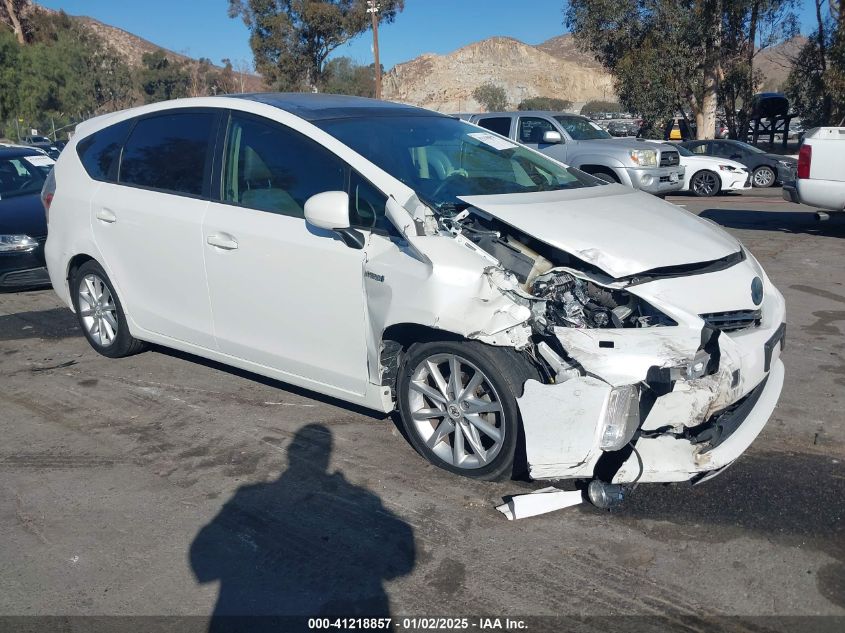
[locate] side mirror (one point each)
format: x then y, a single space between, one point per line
330 211
552 136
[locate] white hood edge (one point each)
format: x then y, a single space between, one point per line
621 231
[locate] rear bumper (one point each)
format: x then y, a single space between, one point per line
821 194
790 193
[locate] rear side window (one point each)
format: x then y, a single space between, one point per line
498 124
100 151
169 152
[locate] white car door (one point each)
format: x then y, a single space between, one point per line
284 295
148 225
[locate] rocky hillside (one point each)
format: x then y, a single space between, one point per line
775 63
132 48
445 82
555 68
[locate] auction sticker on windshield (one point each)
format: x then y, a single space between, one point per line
39 161
492 140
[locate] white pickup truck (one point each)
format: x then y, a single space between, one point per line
820 179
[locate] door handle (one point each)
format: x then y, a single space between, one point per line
106 216
224 241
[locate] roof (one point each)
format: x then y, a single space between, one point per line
14 152
317 106
526 113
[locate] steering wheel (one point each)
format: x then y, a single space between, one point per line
25 184
451 179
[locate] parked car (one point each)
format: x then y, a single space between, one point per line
23 228
44 143
394 257
766 169
620 128
820 178
26 147
579 142
706 176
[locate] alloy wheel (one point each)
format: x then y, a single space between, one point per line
704 183
456 411
763 177
97 310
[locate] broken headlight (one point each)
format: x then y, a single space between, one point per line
621 417
574 302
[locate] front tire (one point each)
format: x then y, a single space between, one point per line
705 183
763 176
100 313
457 401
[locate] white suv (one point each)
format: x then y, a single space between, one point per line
514 310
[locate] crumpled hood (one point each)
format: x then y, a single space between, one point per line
621 231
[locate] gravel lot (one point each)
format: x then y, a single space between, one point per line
166 484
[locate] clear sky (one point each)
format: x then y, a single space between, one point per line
202 28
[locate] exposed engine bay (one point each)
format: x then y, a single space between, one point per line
547 275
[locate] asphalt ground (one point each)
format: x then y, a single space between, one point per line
166 485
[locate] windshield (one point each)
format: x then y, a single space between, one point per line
581 129
23 175
442 158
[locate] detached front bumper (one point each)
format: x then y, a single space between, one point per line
684 428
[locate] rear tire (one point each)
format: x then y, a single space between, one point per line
466 422
100 313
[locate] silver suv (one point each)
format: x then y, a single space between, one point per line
579 142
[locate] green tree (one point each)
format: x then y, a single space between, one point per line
13 13
64 73
491 97
688 55
345 76
292 39
161 79
816 83
597 105
544 103
662 53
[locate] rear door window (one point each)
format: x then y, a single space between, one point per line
100 151
170 152
498 124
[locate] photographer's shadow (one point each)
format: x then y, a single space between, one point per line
309 544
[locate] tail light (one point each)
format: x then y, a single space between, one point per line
48 191
805 157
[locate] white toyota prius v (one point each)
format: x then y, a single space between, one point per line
519 314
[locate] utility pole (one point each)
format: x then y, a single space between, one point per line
372 9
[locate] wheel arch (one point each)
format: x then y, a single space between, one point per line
593 168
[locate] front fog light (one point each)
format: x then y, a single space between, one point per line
621 417
691 370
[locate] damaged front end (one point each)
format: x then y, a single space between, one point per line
648 377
